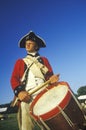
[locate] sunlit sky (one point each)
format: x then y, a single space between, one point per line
61 23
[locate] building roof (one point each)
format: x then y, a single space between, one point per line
82 97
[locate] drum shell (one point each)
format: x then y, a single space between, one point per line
58 121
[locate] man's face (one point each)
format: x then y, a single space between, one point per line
31 46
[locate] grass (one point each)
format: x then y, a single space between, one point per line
11 123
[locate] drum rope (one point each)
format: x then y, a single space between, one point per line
66 117
80 107
46 126
75 99
36 122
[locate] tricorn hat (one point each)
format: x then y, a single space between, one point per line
33 37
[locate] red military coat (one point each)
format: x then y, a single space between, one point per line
19 69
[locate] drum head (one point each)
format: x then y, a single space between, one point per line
47 103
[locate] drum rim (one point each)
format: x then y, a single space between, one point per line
56 110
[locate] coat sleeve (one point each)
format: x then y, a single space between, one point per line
17 73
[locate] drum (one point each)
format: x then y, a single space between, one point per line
56 108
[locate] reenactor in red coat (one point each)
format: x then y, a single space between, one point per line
28 73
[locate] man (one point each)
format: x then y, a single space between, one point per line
28 73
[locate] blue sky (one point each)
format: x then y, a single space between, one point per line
61 23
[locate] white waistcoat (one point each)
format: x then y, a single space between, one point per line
35 75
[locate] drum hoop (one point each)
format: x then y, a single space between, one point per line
54 111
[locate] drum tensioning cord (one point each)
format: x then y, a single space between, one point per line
45 125
77 102
41 120
66 117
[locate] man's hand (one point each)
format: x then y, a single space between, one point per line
24 96
54 78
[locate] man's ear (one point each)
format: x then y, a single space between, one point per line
36 47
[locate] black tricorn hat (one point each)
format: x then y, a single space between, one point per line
33 37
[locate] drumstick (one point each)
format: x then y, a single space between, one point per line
30 92
39 87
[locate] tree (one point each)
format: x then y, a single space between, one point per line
81 91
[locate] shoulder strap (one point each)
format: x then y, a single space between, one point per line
27 69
